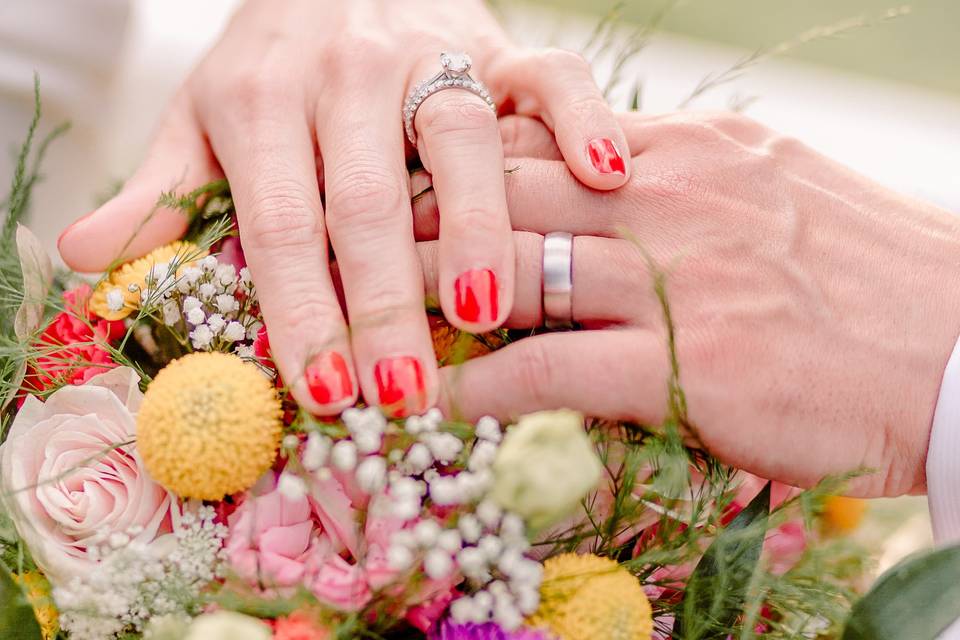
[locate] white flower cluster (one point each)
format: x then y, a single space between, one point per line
210 302
487 546
484 544
134 582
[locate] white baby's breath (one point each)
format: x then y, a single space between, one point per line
134 582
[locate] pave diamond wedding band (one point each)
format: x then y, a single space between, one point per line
454 75
558 280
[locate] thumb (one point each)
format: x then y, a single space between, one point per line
617 374
131 224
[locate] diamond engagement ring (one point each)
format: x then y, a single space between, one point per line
455 75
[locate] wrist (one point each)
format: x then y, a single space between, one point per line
934 319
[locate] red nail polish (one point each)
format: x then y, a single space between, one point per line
400 385
476 295
605 157
328 378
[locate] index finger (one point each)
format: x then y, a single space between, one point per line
270 162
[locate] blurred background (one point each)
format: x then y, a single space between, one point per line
882 95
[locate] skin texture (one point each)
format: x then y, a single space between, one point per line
303 98
814 310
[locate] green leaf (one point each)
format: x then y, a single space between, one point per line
715 593
17 621
919 598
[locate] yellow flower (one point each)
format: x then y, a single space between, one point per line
589 597
843 515
38 593
118 295
209 426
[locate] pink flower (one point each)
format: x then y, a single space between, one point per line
316 542
73 347
231 252
425 615
269 539
69 471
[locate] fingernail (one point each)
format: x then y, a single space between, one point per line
476 295
328 378
605 157
73 226
400 385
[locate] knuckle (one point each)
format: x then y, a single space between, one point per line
282 216
251 93
363 50
457 112
533 373
363 191
729 125
311 309
563 61
386 305
781 146
585 107
704 351
479 221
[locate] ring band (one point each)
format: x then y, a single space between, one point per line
558 280
454 75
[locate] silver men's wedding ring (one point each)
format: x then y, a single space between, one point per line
558 280
454 75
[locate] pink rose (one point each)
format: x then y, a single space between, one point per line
269 537
66 476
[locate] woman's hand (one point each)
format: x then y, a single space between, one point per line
814 310
306 96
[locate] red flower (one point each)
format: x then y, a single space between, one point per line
73 347
298 626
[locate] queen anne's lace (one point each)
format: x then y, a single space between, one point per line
134 582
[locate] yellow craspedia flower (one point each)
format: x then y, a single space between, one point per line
38 593
588 597
843 515
118 295
209 426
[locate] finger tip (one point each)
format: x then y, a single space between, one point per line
307 401
605 163
78 250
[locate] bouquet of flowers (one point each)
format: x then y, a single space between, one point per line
158 481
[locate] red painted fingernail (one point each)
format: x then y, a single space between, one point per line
476 295
400 385
72 226
605 157
328 378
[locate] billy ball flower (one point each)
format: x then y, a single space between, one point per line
587 597
544 467
209 426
